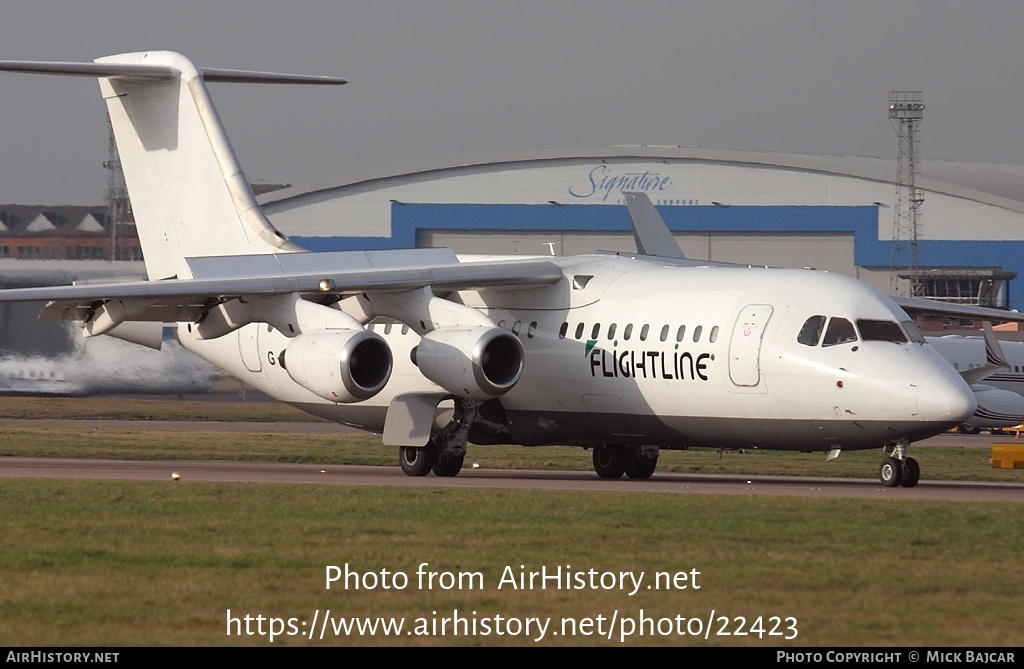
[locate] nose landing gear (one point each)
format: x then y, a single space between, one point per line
899 470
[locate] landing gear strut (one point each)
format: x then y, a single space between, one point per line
446 451
899 470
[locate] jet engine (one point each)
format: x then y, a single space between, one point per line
473 363
340 365
996 407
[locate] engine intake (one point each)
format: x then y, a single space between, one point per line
474 363
340 366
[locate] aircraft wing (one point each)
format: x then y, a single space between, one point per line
920 305
218 279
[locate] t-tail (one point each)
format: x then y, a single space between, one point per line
188 193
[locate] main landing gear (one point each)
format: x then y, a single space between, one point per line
899 470
611 461
446 451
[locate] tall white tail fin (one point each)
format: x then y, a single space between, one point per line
188 193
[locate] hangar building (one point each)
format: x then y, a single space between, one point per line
762 208
765 208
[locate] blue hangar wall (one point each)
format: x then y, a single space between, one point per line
407 219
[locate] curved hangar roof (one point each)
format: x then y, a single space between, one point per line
993 184
832 212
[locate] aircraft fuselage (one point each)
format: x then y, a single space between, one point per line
630 351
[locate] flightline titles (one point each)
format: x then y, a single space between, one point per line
562 577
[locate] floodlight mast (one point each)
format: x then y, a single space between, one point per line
906 109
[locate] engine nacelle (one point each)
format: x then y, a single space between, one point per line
473 363
996 407
339 365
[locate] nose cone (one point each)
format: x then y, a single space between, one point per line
943 396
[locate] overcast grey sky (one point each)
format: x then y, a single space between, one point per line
438 80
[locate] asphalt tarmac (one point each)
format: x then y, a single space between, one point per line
667 483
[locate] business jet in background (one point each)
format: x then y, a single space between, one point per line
995 372
624 354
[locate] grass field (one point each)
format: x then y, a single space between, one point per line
127 563
133 408
124 563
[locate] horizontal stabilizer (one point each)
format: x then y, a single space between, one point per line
140 72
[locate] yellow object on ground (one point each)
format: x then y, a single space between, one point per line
1008 456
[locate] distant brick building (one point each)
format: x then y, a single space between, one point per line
66 232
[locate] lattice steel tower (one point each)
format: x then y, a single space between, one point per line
116 194
905 111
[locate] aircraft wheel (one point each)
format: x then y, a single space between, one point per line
891 472
417 461
911 473
610 460
968 429
449 467
640 467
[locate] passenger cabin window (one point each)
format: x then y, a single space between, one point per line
562 330
714 335
596 331
680 333
810 333
696 332
881 331
611 330
840 331
579 331
532 330
664 333
643 332
628 332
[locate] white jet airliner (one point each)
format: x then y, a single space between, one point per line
625 354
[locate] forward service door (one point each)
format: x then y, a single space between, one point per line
745 344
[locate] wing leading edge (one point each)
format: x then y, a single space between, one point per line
920 305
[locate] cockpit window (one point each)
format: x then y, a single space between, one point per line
839 331
881 331
810 333
911 329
